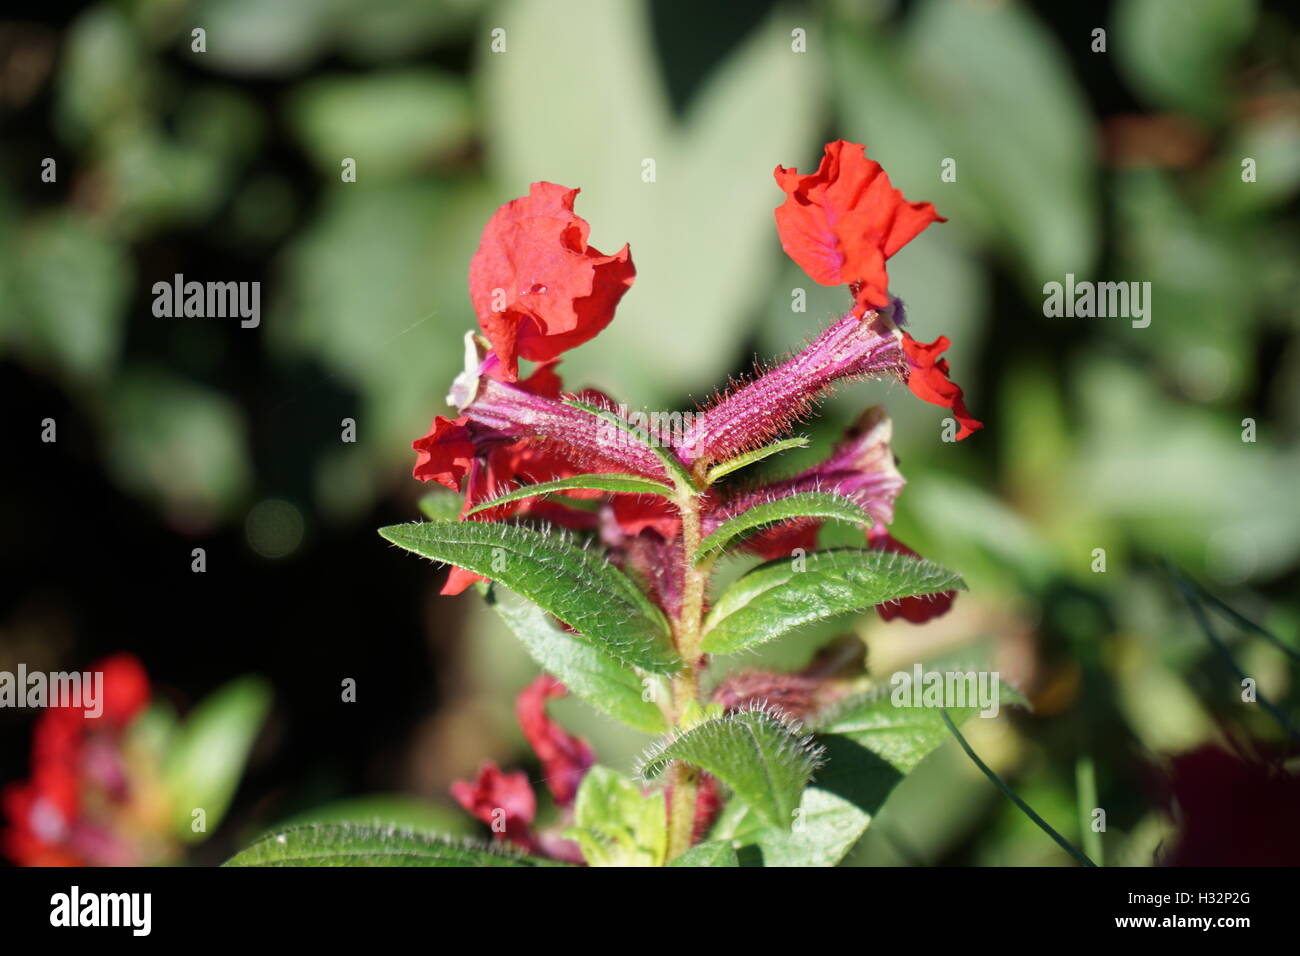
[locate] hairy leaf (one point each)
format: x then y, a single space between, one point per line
350 844
724 468
871 745
622 484
787 593
766 760
586 668
578 586
805 504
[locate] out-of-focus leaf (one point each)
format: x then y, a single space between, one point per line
69 285
390 123
586 668
209 752
806 504
965 69
766 761
107 74
347 844
615 824
1177 54
580 587
788 593
176 443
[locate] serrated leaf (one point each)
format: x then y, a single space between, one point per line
349 844
578 586
805 504
711 853
207 753
764 759
615 824
871 745
587 669
619 484
672 466
787 593
724 468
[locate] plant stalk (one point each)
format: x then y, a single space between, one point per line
686 630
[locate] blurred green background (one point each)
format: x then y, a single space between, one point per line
1120 164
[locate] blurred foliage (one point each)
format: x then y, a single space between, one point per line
1117 165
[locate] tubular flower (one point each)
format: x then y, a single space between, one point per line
755 413
920 608
537 288
84 805
842 222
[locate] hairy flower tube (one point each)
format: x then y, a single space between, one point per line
608 531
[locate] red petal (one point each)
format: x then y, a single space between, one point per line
842 222
537 287
565 759
445 453
495 796
928 379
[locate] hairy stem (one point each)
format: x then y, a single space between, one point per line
686 633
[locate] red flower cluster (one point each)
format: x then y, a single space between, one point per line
71 811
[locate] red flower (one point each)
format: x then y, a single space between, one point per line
504 801
842 222
919 608
565 759
64 814
927 377
537 287
445 453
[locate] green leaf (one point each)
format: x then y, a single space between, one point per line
784 594
805 504
711 853
1178 54
587 669
871 745
725 468
441 505
672 466
350 844
760 756
577 585
619 484
208 753
615 825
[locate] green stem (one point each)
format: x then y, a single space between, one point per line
686 636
